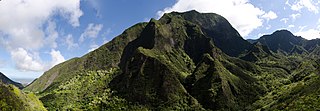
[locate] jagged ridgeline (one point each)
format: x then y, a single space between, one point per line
183 61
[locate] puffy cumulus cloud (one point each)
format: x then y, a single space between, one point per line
309 34
270 15
22 25
244 16
25 61
28 27
297 5
56 58
91 31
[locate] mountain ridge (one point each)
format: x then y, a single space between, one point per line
183 61
284 41
4 79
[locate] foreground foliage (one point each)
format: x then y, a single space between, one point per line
87 91
13 99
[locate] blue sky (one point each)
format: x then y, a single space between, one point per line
38 34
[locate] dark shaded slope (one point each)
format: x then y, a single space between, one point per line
4 79
219 29
219 84
257 52
298 50
157 63
315 52
281 40
311 44
252 41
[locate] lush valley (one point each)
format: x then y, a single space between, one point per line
183 61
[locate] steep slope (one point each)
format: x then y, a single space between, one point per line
4 79
252 41
315 52
298 50
105 57
156 64
153 61
257 52
284 42
281 40
12 99
183 61
219 29
311 44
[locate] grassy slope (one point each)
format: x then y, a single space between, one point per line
12 99
106 56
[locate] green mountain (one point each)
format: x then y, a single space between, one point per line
315 52
311 44
219 29
12 99
4 79
281 40
285 42
186 61
257 51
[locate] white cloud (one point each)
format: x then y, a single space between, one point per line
23 20
56 58
270 15
285 20
91 31
241 14
27 26
70 43
295 16
25 61
52 34
309 34
300 4
301 28
291 26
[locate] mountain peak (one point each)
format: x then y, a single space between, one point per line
283 32
281 40
215 27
